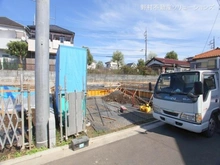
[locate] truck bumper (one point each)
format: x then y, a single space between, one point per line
198 128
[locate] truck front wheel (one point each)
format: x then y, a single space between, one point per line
211 127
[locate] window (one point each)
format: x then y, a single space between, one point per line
208 84
62 39
5 55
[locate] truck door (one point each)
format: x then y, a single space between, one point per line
210 95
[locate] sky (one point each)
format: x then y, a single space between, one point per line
104 26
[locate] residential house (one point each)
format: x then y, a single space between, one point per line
132 65
58 36
206 60
13 31
10 31
111 65
163 65
91 66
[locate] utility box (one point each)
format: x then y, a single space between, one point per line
79 143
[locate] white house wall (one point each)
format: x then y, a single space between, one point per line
154 62
53 45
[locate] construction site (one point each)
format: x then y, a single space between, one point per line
78 105
109 107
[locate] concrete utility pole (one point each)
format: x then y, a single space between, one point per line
42 72
145 35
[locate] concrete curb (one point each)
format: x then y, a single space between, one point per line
64 151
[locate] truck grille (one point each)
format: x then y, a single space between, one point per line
171 113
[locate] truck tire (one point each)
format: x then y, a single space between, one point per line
211 127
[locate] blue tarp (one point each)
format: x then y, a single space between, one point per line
12 92
71 70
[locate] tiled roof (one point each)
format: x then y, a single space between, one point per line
209 54
130 64
55 28
172 61
7 22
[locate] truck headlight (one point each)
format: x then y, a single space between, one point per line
188 117
192 117
157 109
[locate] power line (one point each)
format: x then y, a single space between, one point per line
210 31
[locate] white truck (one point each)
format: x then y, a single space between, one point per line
189 100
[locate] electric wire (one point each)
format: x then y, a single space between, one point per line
210 31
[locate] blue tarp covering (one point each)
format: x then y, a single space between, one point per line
12 92
71 70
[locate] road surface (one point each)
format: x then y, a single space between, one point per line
164 145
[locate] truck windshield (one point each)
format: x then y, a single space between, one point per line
176 86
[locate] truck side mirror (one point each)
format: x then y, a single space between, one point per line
198 88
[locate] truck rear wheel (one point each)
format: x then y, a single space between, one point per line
211 127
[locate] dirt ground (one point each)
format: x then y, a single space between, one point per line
108 118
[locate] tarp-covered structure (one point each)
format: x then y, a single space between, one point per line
70 87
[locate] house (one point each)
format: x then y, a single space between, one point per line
57 36
111 65
132 65
92 66
10 31
163 65
206 60
13 31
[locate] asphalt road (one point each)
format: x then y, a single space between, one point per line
164 145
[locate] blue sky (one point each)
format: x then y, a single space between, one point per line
105 26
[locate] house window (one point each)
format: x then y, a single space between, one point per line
62 39
5 55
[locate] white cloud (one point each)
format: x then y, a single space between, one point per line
183 26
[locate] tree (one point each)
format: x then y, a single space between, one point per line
18 49
89 56
172 55
99 65
140 63
127 70
118 57
151 55
141 66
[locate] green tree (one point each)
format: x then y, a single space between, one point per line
18 49
128 70
172 55
99 65
151 55
141 66
89 56
140 63
118 57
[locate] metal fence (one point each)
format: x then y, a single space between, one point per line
72 113
15 120
28 64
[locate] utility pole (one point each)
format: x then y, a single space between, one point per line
145 35
42 72
212 43
218 3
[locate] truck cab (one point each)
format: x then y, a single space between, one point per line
189 100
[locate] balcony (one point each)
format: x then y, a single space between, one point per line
5 41
53 45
